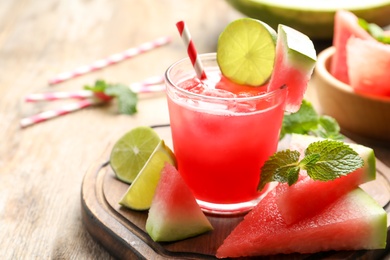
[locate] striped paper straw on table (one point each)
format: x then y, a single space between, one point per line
66 109
113 59
191 50
51 96
152 84
87 98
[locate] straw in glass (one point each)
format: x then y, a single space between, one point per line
191 50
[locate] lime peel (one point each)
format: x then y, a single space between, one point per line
140 193
130 153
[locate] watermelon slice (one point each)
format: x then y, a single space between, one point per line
368 65
345 26
353 222
295 61
174 213
308 197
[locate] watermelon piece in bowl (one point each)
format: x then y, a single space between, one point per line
294 65
358 115
368 64
308 197
353 222
345 26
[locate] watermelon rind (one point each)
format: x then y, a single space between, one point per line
300 48
314 18
379 220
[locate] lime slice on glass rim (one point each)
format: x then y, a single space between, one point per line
246 51
140 193
131 151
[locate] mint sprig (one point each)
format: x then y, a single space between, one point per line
323 160
375 31
127 99
308 122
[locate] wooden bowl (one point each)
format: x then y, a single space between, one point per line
365 116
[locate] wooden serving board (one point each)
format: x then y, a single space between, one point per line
122 231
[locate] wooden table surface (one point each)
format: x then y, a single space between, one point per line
42 166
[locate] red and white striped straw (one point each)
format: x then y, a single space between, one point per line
191 50
52 96
68 108
152 84
113 59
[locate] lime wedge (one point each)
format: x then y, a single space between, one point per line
140 194
131 152
246 51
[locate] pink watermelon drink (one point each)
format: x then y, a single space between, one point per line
221 139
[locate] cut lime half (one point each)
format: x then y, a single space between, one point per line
131 152
140 194
246 52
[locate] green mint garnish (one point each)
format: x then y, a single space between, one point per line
375 31
127 99
323 160
307 121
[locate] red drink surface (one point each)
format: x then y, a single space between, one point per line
220 151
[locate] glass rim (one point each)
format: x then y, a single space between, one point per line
210 56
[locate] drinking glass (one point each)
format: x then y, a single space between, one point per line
221 141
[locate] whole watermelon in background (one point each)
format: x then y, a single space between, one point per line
368 65
353 222
308 197
345 26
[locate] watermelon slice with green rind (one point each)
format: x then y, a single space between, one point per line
308 197
174 213
353 222
294 64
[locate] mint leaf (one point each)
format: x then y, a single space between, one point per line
374 30
335 159
306 121
100 86
324 160
280 167
301 122
127 99
327 128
